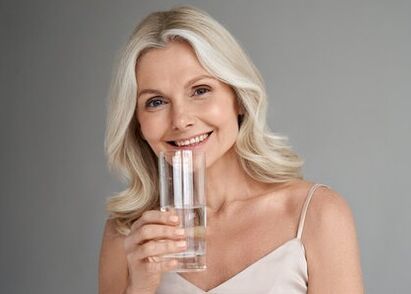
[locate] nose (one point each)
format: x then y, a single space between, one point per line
182 118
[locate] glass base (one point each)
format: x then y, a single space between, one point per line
196 263
186 270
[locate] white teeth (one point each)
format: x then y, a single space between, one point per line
191 141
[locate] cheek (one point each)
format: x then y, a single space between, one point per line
221 114
150 126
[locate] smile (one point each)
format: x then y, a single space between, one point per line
191 141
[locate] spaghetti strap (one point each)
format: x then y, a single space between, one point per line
305 207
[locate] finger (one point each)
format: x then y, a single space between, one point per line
161 247
154 259
161 266
155 217
156 232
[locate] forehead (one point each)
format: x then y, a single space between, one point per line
174 63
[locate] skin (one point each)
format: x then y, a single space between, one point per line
240 210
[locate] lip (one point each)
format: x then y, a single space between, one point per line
193 146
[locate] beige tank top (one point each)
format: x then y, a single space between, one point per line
283 270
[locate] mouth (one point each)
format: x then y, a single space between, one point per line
190 142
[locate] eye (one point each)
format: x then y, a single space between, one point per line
155 102
201 91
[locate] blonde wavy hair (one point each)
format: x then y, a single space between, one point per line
265 156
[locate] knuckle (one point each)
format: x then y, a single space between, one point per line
145 231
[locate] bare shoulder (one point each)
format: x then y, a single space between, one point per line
328 218
113 263
331 245
329 210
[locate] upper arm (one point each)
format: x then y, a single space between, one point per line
113 271
331 246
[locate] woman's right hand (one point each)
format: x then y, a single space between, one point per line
155 233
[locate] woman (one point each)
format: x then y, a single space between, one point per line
182 76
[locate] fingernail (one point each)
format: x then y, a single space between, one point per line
174 218
181 244
180 232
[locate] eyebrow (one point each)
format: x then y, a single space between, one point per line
188 84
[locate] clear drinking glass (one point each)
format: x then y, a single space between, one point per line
182 190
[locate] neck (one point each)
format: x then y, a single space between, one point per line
227 182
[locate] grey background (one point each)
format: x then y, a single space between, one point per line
338 76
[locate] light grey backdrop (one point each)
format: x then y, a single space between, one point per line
338 74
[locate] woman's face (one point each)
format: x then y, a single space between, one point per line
181 106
